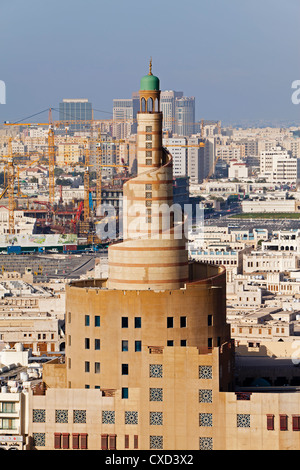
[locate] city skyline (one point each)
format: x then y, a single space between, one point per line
231 57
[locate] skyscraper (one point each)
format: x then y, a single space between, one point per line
71 110
184 116
167 106
122 118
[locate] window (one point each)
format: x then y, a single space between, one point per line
170 342
169 322
138 346
97 320
104 441
126 441
112 441
65 440
86 366
183 342
182 322
283 422
148 161
7 407
148 137
148 128
57 440
209 343
97 344
135 441
87 343
124 322
137 322
97 367
124 369
125 392
124 345
87 320
296 422
270 422
209 320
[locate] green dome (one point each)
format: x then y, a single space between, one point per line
149 83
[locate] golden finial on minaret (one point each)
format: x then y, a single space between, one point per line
150 67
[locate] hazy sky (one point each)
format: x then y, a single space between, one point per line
237 57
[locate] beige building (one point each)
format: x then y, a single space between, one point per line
149 357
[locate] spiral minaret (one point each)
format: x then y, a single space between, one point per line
153 253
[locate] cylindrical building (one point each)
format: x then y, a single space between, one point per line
156 309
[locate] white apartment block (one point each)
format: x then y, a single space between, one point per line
238 170
266 261
279 167
177 147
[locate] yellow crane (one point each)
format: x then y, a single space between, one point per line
10 190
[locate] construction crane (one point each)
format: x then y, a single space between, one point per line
10 186
86 183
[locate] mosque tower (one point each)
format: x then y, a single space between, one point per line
153 254
157 326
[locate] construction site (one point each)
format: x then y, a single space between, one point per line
64 193
53 215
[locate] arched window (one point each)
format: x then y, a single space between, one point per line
150 105
143 105
156 105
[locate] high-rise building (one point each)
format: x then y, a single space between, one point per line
122 118
195 160
177 146
77 112
185 116
167 106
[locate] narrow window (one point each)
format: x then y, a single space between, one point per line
97 344
57 440
125 392
137 322
124 322
87 320
124 369
209 320
124 345
97 367
136 441
182 322
97 320
138 346
87 343
270 422
169 322
126 441
83 441
283 422
86 366
75 441
104 441
296 423
65 441
112 441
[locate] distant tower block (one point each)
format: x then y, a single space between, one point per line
153 254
